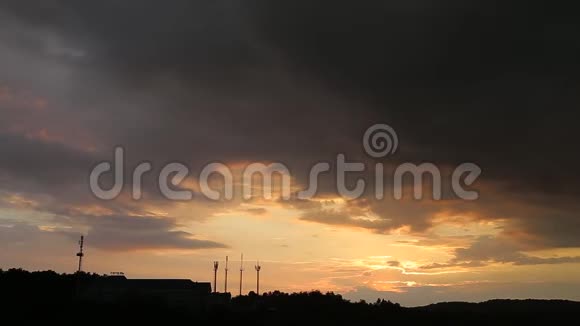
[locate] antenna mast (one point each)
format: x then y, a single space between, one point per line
80 254
258 268
241 273
215 269
226 282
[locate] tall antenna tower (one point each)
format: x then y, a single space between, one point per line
80 254
241 273
215 269
226 281
258 268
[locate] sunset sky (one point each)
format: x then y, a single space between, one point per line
490 83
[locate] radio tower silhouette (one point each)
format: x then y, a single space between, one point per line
226 280
80 254
241 273
258 268
215 269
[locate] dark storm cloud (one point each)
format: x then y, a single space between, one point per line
487 82
44 164
122 233
392 215
115 233
488 249
141 84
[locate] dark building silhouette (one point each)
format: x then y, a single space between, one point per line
172 292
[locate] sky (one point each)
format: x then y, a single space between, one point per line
486 82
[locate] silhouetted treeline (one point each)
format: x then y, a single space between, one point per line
41 286
53 297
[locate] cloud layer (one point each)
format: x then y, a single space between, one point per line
296 83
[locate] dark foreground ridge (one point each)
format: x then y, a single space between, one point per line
68 298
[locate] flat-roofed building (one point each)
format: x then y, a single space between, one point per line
173 292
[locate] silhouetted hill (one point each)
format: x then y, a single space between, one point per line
53 297
507 305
